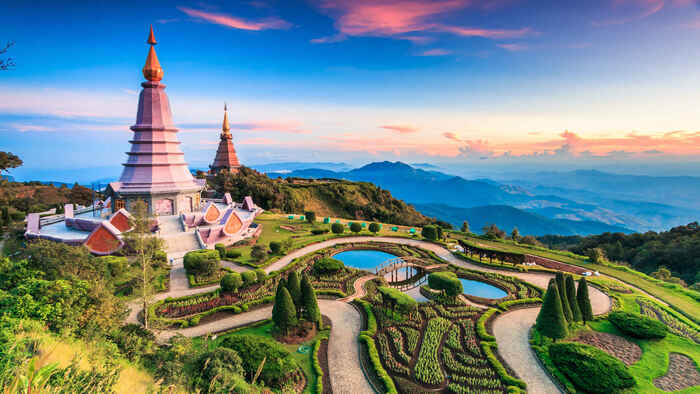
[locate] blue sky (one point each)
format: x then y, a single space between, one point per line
603 83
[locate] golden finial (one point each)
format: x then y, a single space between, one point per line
152 70
225 127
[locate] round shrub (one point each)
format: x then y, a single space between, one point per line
337 228
446 281
590 368
638 326
233 254
221 248
355 227
249 278
327 265
231 282
201 262
429 232
319 231
275 247
374 227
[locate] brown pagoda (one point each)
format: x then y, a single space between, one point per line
225 155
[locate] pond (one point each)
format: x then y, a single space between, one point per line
481 289
363 259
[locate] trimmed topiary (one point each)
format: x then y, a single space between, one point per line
327 266
446 281
561 287
429 232
374 227
294 287
312 312
550 321
638 326
260 275
249 278
584 301
355 227
589 368
571 297
337 228
275 247
231 282
221 248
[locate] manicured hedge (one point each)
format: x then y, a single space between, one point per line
327 265
446 281
371 320
638 326
488 347
377 364
331 292
481 325
523 301
203 261
589 368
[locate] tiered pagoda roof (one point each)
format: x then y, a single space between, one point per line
226 154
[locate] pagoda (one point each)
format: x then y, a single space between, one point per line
226 158
155 171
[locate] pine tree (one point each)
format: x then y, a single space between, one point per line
294 287
278 301
287 313
561 288
551 321
571 296
311 310
584 302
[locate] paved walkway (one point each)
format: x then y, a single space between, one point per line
359 286
234 266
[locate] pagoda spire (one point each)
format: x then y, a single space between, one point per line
152 70
225 127
226 157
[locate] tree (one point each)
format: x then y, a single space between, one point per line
465 227
8 63
231 282
429 232
551 321
80 195
258 252
596 255
294 287
278 301
565 305
145 246
7 159
312 312
571 296
515 234
286 312
310 216
584 302
492 231
337 228
439 232
275 247
374 227
355 227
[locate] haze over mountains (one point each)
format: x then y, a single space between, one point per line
560 204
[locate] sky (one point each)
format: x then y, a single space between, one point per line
498 84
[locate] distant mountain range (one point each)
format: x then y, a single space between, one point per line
546 210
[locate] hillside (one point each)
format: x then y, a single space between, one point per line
358 200
507 218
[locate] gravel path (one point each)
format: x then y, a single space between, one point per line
359 286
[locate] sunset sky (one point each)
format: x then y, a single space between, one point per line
445 81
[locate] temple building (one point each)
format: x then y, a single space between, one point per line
226 158
155 171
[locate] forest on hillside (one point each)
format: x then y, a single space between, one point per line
677 249
359 200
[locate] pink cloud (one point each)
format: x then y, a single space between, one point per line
435 52
235 22
451 136
257 141
396 18
401 129
329 39
633 10
513 47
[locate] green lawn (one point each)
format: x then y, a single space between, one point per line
667 292
264 329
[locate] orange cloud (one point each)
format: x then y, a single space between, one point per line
396 18
451 136
235 22
401 129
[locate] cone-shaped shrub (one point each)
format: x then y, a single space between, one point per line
561 288
312 312
551 321
294 287
286 316
571 296
278 300
584 302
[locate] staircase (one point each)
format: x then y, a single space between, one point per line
180 242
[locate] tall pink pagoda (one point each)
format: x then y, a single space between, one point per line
225 155
155 171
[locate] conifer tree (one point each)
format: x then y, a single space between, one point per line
278 301
286 312
551 322
584 302
571 296
561 288
294 288
311 310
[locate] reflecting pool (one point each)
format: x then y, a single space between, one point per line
481 289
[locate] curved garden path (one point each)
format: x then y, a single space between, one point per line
510 329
